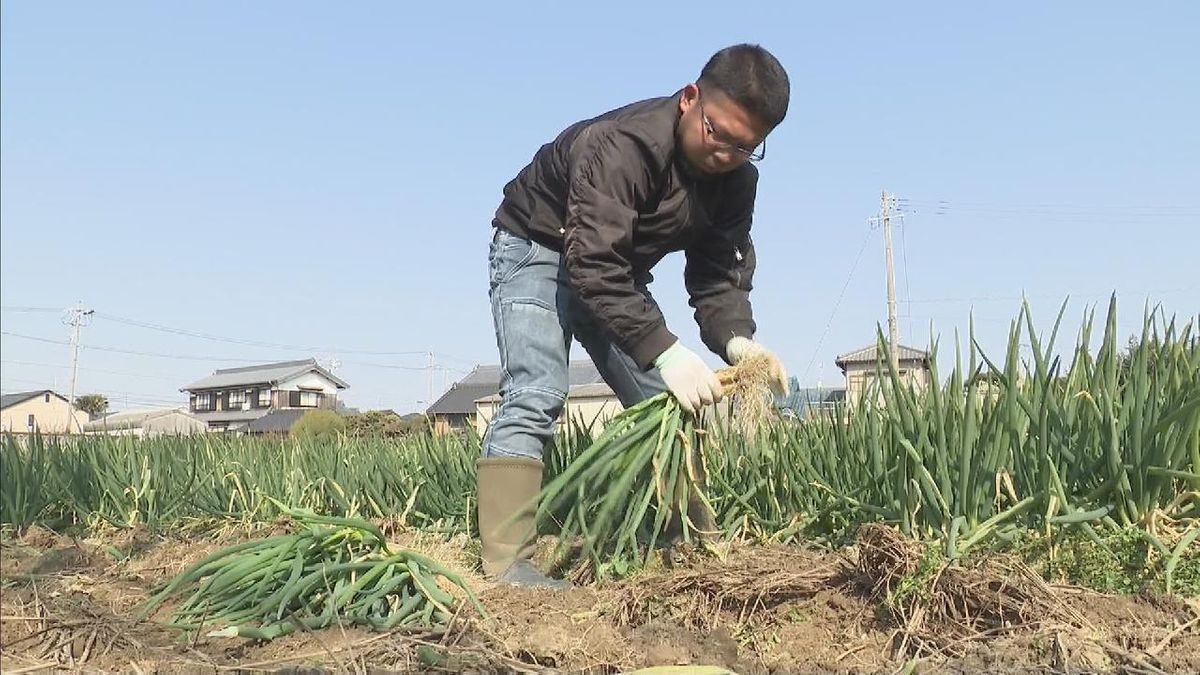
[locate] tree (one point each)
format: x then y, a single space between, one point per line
93 404
319 424
383 423
1137 351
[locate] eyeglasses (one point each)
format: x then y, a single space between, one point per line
717 139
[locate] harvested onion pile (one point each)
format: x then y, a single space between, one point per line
337 571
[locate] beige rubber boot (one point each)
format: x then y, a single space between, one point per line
508 490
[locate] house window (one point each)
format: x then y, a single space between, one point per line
47 397
237 399
304 399
204 402
31 422
264 398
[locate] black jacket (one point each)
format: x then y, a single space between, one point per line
611 194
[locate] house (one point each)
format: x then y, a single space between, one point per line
590 404
805 403
232 398
276 421
986 385
147 422
43 411
859 368
476 396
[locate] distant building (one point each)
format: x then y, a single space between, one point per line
472 401
147 422
987 386
591 405
805 403
241 399
859 369
43 411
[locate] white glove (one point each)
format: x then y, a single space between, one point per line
688 378
740 348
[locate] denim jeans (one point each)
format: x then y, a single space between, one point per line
536 316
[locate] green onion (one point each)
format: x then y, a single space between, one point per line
335 571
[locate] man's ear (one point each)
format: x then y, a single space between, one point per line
688 97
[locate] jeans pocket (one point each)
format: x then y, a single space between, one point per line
508 254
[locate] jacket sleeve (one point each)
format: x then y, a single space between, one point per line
610 173
719 271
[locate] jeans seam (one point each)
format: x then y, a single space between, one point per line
493 450
524 300
520 264
522 403
498 308
541 390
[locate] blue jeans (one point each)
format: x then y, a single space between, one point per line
536 315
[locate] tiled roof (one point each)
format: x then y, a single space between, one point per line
484 381
870 355
267 373
20 397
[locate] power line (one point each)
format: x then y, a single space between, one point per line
1059 296
442 369
1067 207
89 369
110 394
5 378
142 396
455 359
253 343
396 367
836 305
384 365
904 261
948 209
188 357
131 404
250 343
130 351
198 358
10 308
1075 209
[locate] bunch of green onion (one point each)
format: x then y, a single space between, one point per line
633 485
335 571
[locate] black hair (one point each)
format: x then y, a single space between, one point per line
753 78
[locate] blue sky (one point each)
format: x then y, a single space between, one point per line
323 175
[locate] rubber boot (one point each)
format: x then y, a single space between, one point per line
508 490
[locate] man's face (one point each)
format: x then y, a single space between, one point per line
716 134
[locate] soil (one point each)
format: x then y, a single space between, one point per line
68 604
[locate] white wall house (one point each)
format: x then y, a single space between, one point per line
859 369
147 422
591 405
264 398
43 411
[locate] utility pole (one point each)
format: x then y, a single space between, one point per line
77 317
887 204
